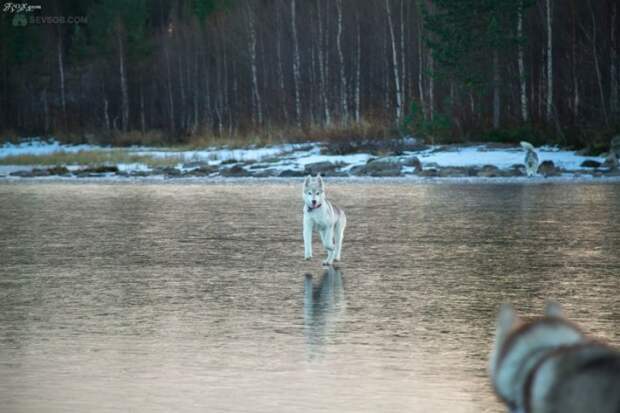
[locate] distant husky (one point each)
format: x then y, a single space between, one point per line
549 366
325 216
531 158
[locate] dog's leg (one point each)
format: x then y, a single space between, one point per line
340 225
327 236
307 239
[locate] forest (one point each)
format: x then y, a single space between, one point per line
180 71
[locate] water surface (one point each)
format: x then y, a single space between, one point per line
190 297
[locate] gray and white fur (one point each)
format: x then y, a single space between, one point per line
549 366
327 218
531 158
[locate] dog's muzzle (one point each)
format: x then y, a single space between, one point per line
312 208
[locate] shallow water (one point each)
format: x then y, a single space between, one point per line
161 297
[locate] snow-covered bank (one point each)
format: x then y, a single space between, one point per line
294 160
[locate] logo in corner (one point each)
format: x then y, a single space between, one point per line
19 20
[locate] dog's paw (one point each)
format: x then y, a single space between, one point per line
327 263
308 258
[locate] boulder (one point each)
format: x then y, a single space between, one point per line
321 168
290 173
202 171
453 172
235 171
548 168
195 164
30 174
429 173
489 171
383 167
103 169
517 170
58 170
591 163
414 162
266 173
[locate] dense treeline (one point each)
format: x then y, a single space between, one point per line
234 67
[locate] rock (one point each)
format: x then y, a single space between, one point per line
374 146
167 170
290 173
235 171
590 163
429 173
548 168
202 171
321 168
489 171
452 172
30 174
414 162
103 169
517 170
58 170
195 164
383 167
266 173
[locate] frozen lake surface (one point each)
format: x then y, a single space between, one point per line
149 297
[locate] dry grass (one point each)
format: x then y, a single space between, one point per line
92 158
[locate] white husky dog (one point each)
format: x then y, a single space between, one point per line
325 216
531 158
549 366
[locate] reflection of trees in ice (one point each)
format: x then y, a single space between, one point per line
324 304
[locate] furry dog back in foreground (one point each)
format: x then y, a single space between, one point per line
531 158
326 217
549 366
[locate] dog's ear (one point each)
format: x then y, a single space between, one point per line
506 319
553 309
320 181
307 180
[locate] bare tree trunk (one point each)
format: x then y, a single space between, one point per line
431 84
421 67
576 98
280 68
123 79
142 115
613 60
296 66
496 93
322 68
256 99
106 114
344 111
403 71
522 80
61 72
549 105
397 94
597 66
358 71
46 111
169 81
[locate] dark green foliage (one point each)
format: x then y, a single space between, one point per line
415 123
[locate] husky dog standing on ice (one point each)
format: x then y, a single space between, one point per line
328 219
531 158
549 366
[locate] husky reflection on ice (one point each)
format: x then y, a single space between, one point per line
324 305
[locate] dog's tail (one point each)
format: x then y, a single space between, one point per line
528 146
